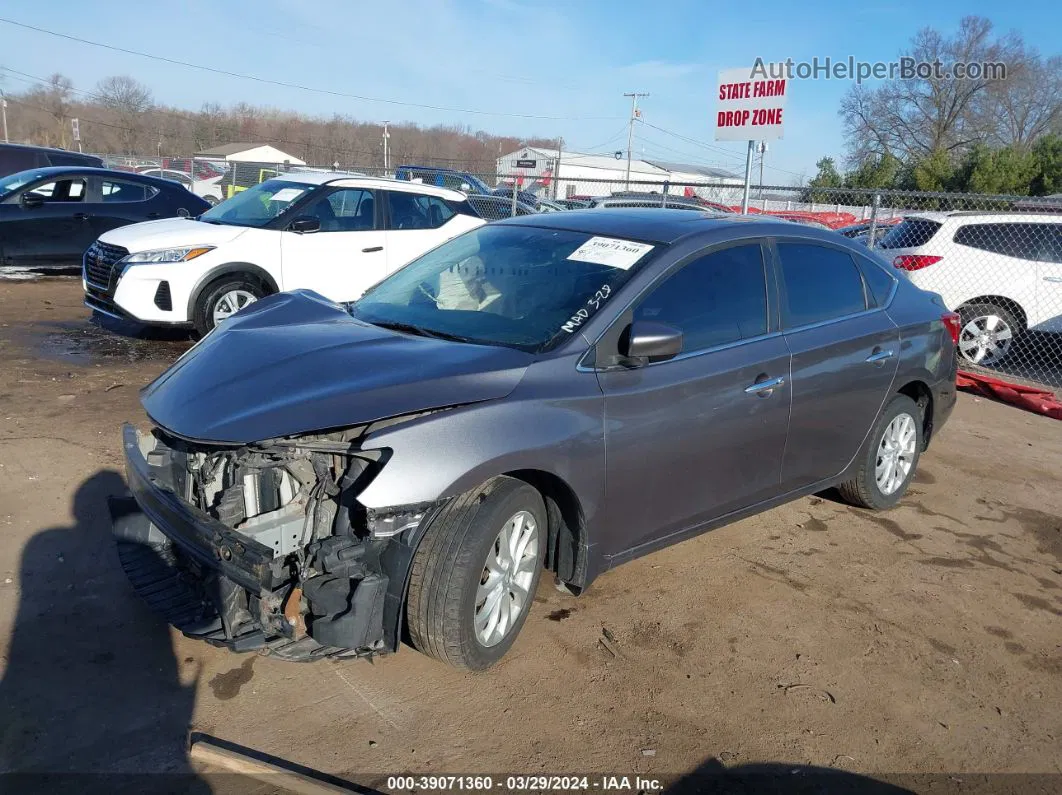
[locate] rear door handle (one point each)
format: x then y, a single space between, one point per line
371 249
152 215
764 388
880 357
1053 279
81 216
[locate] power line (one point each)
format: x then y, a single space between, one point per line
297 86
718 149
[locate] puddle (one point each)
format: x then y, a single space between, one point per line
85 342
227 685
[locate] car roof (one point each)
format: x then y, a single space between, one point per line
130 176
378 183
973 216
660 225
55 149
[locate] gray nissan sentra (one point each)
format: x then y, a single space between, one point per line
560 392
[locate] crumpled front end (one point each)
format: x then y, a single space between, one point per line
265 546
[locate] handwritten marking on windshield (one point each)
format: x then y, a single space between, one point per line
593 304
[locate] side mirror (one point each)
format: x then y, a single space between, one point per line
305 223
466 187
656 342
31 200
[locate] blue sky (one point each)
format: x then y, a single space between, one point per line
570 60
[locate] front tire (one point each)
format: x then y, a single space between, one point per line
890 458
475 573
222 299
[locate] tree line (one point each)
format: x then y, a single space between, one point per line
999 134
119 116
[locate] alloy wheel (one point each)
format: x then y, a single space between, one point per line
505 583
985 339
230 303
896 453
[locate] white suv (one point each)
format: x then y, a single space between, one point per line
335 234
1002 272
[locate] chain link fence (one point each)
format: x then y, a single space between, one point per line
996 260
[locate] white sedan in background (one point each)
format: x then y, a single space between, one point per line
331 233
209 189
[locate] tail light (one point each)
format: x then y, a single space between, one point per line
914 262
953 324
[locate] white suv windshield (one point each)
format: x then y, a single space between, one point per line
258 205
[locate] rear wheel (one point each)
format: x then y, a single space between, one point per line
988 333
475 574
889 459
224 298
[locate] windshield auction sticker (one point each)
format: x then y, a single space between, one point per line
610 251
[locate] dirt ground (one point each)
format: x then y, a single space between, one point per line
925 640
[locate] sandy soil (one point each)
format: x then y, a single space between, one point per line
925 640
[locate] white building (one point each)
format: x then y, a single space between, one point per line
250 153
580 174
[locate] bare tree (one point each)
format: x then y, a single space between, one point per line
914 118
127 100
56 99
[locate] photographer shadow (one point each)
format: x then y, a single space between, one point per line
91 698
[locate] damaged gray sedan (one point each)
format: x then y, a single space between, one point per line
558 393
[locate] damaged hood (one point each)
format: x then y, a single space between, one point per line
295 362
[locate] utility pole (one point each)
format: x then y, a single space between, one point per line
387 153
556 167
761 147
630 130
3 112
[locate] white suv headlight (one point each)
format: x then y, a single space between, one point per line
167 255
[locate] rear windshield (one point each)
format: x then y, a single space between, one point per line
910 233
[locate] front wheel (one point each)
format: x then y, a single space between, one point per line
223 299
475 574
889 459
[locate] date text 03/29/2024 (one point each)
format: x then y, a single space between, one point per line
525 783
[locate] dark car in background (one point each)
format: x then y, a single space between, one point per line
20 157
561 392
491 208
49 216
443 178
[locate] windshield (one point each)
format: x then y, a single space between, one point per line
13 182
518 286
258 205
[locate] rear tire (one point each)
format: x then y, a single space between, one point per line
987 333
889 459
453 611
224 297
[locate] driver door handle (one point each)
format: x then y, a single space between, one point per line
371 249
764 388
879 357
81 216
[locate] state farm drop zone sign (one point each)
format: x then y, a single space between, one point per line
749 108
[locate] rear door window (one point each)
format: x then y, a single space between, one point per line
820 283
910 233
413 211
1024 241
114 190
716 299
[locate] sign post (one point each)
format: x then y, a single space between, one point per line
750 108
75 128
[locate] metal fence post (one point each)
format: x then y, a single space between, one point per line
873 219
663 197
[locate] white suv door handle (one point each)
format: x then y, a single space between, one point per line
1055 279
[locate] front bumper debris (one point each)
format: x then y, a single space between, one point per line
216 584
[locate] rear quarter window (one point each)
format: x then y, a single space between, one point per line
1037 242
910 233
878 280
